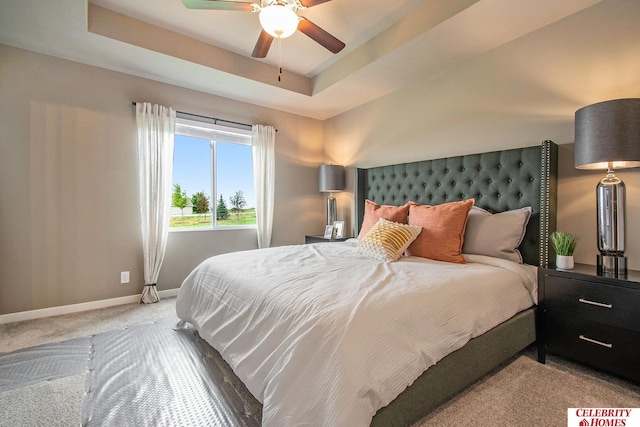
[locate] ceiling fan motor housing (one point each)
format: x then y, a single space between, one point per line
292 4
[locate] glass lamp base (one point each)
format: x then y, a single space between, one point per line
612 266
331 210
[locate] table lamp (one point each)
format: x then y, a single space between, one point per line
331 180
608 137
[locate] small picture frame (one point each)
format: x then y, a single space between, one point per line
328 232
339 226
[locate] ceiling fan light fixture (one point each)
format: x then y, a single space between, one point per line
278 20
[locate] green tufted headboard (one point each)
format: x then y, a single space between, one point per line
499 181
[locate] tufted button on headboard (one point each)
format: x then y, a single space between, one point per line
498 181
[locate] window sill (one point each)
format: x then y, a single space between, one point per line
226 228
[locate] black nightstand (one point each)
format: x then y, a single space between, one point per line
320 239
590 318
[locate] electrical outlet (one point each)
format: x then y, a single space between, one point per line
124 277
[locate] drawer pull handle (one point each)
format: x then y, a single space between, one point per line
599 304
604 344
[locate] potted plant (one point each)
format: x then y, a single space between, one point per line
564 244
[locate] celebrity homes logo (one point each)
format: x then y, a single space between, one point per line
603 417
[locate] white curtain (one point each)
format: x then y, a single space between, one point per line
156 129
263 148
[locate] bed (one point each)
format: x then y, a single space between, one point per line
322 317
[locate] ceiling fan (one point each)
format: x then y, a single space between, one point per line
278 19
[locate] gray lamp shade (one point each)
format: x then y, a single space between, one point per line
331 178
608 135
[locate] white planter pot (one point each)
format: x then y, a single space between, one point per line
564 262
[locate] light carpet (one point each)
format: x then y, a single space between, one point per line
527 393
14 336
521 392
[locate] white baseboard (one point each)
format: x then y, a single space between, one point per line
76 308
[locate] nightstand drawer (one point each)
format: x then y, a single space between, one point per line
611 305
614 349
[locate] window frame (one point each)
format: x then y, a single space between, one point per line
214 133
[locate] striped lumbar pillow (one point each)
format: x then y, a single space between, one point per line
387 240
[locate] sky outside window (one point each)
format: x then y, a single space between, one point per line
192 169
233 162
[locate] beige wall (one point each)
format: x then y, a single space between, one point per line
516 95
69 219
68 199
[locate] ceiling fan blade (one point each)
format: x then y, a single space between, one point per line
219 5
262 45
321 37
311 3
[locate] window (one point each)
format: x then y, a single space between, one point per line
212 177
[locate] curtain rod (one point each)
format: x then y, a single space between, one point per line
215 119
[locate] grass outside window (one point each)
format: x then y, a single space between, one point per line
245 217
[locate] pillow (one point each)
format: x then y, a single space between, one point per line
374 211
497 235
442 230
387 240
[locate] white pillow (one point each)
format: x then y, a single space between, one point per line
387 240
497 235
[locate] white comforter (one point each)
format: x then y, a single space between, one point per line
323 336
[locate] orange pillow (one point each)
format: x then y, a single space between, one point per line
373 212
443 229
